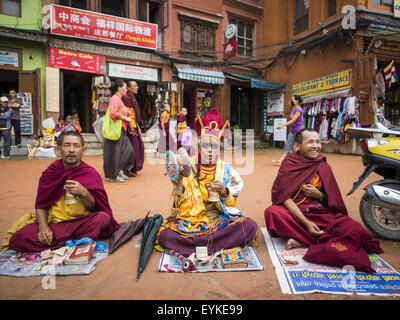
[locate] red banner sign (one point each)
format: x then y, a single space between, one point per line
230 49
73 60
91 25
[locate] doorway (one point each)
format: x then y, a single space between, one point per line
77 94
241 112
8 80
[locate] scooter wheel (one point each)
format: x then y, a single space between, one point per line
375 221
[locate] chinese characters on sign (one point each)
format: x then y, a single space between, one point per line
76 61
90 25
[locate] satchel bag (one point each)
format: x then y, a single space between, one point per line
111 128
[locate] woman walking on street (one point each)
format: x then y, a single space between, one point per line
118 156
296 124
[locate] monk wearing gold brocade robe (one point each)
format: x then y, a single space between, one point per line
208 216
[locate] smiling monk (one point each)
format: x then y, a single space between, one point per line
309 211
57 220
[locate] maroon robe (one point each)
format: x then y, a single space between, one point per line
99 223
164 141
180 119
340 231
134 136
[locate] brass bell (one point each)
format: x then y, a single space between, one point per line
213 196
69 198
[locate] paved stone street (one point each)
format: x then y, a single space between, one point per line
115 277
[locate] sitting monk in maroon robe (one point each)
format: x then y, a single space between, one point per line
309 210
56 219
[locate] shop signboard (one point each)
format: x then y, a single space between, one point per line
279 134
396 8
77 23
385 48
73 60
275 103
330 83
26 113
230 31
52 89
230 49
9 58
265 112
126 71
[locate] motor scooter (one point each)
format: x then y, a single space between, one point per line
380 204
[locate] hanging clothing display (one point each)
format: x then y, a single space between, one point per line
330 117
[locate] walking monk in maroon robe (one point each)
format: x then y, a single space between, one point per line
55 221
135 134
309 210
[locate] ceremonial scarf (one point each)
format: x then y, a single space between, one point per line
51 188
296 171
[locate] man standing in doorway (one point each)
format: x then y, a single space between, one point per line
135 134
15 105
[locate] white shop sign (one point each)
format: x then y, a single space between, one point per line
125 71
9 58
279 134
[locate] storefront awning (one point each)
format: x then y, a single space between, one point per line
200 75
257 82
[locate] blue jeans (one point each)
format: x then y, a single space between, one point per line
6 135
289 143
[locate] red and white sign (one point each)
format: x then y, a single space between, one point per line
230 49
73 60
91 25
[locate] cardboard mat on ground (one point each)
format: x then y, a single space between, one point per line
29 267
170 263
305 277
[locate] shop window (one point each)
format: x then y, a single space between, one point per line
301 16
332 7
151 11
197 35
388 3
10 7
244 37
117 8
79 4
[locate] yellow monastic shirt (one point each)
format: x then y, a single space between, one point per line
133 117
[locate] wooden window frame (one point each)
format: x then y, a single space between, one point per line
303 18
330 7
199 29
245 38
161 25
11 15
87 4
126 8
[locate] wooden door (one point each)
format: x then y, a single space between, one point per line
364 82
29 81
